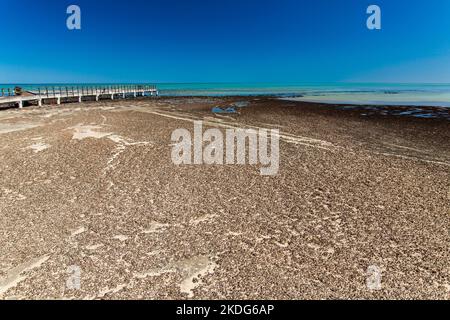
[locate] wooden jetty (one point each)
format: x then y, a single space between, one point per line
74 93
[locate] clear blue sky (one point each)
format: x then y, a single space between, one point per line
224 41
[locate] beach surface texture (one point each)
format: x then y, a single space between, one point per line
92 206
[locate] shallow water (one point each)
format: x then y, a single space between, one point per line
416 112
350 93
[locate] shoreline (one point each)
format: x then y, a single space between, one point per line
404 111
367 109
372 103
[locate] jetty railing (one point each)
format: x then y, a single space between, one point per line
53 91
6 92
75 91
19 95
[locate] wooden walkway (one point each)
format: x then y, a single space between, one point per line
69 94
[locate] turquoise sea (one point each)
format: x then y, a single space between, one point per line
346 93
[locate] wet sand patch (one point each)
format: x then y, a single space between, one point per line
13 127
88 131
18 274
38 147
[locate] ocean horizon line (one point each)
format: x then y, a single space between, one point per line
231 82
